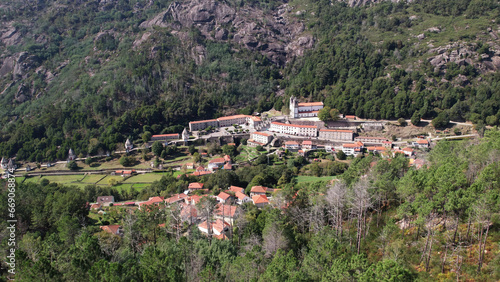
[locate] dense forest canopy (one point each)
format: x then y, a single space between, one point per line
81 70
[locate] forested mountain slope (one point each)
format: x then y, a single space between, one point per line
71 71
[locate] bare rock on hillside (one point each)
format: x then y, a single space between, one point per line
274 34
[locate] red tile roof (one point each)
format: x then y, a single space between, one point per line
165 135
203 121
219 225
194 198
217 160
240 195
260 199
156 199
236 189
307 142
113 229
176 198
195 185
233 117
422 141
355 145
228 210
309 104
261 133
228 166
224 196
189 211
258 189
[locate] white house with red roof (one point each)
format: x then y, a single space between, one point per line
308 145
224 197
195 186
241 198
292 145
408 152
387 144
294 129
421 143
258 190
216 163
353 149
217 227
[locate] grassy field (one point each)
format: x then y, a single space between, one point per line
106 179
302 178
147 177
92 178
122 187
246 153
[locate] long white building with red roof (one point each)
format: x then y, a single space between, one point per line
294 129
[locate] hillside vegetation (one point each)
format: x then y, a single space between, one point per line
74 73
382 220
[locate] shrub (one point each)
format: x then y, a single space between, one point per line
341 155
127 161
72 165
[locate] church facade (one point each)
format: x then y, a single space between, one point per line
300 110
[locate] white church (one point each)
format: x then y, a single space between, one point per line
300 110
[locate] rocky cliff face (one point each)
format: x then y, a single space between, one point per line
356 3
275 34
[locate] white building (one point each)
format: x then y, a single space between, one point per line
242 198
370 140
253 121
185 135
294 129
128 145
336 134
292 145
298 110
262 137
352 149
